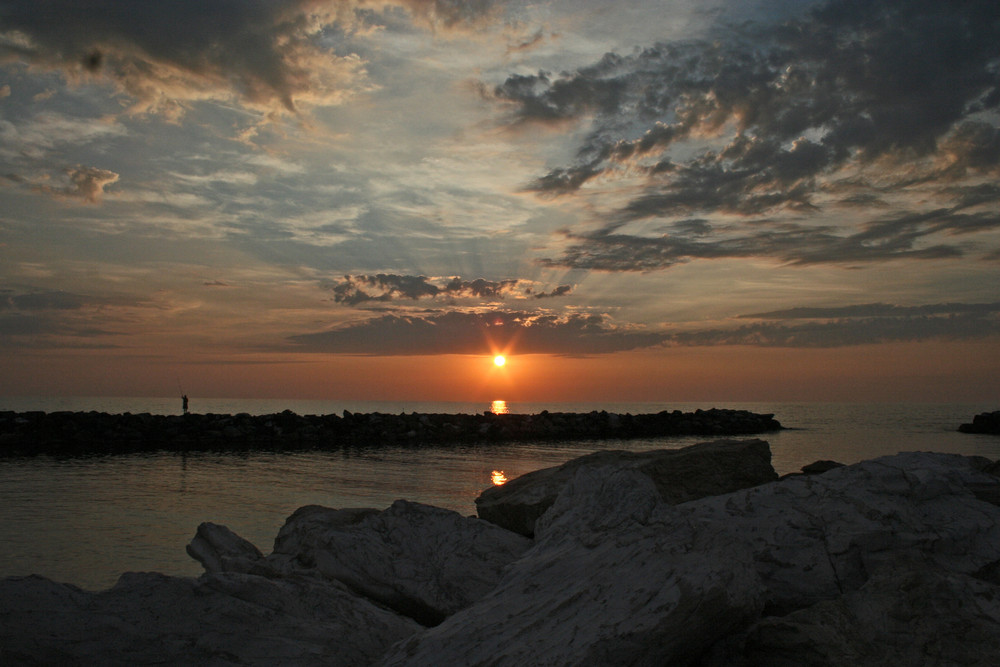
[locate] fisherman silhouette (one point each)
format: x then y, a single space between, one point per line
184 401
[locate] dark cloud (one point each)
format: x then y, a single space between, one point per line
47 300
856 324
877 310
562 290
478 333
383 287
269 53
763 119
576 334
891 238
847 332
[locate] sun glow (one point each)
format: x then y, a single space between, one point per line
498 477
499 360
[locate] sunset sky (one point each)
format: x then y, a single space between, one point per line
633 200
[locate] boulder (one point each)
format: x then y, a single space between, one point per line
986 422
219 549
617 574
607 584
422 561
680 475
218 619
905 615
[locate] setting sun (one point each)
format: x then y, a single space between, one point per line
499 360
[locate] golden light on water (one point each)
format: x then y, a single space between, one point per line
498 477
499 407
499 360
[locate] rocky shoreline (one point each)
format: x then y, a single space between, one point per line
696 556
72 433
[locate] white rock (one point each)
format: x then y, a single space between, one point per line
420 560
618 576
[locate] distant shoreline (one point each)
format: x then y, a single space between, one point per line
86 433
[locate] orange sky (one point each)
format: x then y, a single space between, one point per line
932 372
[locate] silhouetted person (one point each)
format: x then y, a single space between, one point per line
184 402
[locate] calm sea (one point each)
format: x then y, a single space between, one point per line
87 520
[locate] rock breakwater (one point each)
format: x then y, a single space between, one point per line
69 433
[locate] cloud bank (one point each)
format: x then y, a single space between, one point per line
478 333
579 334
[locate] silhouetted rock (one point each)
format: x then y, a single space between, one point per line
72 433
218 619
907 614
219 549
986 422
705 469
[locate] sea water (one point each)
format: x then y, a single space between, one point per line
87 520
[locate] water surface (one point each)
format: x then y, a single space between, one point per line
87 520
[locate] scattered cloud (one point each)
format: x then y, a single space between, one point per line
902 236
79 182
358 289
849 99
274 56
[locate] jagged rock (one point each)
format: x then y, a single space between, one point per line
680 475
986 422
617 572
903 616
604 585
820 467
218 619
219 549
889 561
422 561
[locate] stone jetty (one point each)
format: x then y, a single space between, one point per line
71 433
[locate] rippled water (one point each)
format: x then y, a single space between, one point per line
87 520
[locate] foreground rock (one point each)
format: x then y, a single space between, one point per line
986 422
421 561
889 561
679 475
72 433
619 576
219 619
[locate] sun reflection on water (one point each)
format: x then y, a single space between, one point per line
498 478
499 407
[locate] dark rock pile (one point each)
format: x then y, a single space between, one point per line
69 433
987 422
